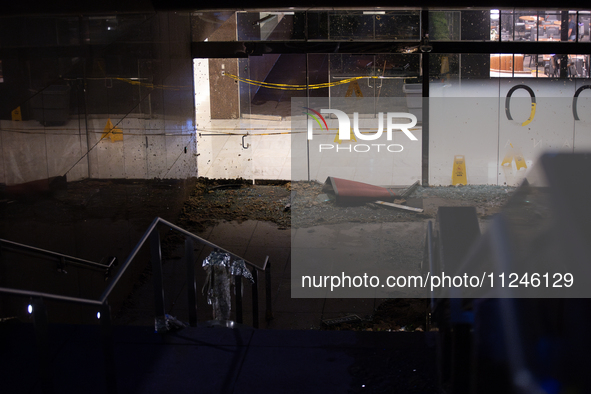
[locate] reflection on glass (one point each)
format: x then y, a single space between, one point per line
495 17
286 70
323 25
444 25
538 65
398 26
506 25
459 25
578 66
263 26
583 26
550 27
536 25
383 75
213 26
444 67
392 25
510 65
353 25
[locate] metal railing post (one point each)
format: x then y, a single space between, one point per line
156 256
430 257
255 299
268 300
191 284
238 288
108 348
41 334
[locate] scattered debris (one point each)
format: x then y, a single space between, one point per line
305 203
168 323
389 204
174 323
344 319
397 314
228 186
410 190
210 204
324 197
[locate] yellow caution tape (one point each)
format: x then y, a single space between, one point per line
152 86
284 86
216 133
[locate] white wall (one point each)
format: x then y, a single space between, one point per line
466 118
151 148
470 120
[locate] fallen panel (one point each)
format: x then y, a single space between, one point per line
354 193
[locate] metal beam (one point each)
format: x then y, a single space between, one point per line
425 107
243 49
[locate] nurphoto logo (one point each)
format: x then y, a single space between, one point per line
345 129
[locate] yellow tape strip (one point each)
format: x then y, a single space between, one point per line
151 85
283 86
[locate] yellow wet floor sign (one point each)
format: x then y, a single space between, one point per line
112 132
520 161
459 171
351 137
16 114
514 154
354 87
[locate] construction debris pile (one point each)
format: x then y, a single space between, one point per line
312 205
305 204
235 200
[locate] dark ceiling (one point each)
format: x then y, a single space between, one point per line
36 7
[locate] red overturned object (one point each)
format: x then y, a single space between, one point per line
348 192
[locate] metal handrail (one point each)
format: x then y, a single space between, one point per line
40 313
145 237
56 297
18 247
206 242
105 295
